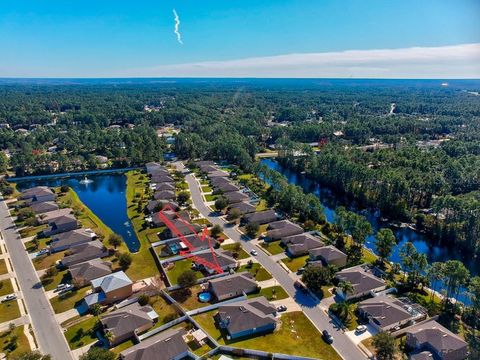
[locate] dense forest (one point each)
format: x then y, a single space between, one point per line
408 148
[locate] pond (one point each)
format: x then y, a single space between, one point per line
104 195
434 251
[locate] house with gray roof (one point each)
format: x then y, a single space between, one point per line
328 255
66 240
301 244
204 162
157 205
235 197
168 345
206 168
280 229
84 252
152 166
247 317
43 207
83 273
37 194
225 187
386 313
260 217
159 179
165 187
182 227
158 220
110 288
364 283
217 173
61 224
125 322
223 258
219 180
47 217
243 207
231 286
175 245
164 195
434 338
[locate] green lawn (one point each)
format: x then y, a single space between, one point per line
81 333
241 254
123 346
6 287
206 189
165 311
51 283
32 230
178 268
211 197
9 311
188 299
42 244
68 300
273 247
3 267
14 348
143 264
271 293
296 335
45 261
295 263
262 205
257 270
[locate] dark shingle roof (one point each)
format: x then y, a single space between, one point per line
246 315
223 258
283 228
235 196
164 195
302 243
384 310
44 207
85 252
226 187
328 253
164 346
261 217
126 320
232 283
90 270
243 207
361 280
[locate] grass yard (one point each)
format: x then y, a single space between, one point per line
50 283
189 299
241 254
206 189
273 247
271 293
143 264
211 197
42 243
262 205
6 287
257 270
80 333
68 300
295 335
3 267
166 312
295 263
123 346
31 230
180 267
45 261
9 311
14 348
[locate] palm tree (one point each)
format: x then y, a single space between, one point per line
346 287
385 242
435 272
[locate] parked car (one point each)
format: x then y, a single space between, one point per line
327 337
9 297
281 308
254 252
68 287
62 286
300 271
360 329
43 251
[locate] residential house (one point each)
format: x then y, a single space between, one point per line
207 168
47 217
235 197
219 180
328 255
152 166
364 283
243 207
83 273
181 227
247 317
260 218
217 173
43 207
159 217
222 258
165 187
84 252
66 240
168 345
37 194
157 205
232 286
109 289
204 162
128 321
225 187
61 224
280 229
386 313
301 244
175 245
164 195
432 337
159 179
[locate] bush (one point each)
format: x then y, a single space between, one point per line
221 203
252 229
183 197
25 213
187 279
115 240
233 215
216 230
124 260
64 188
31 221
143 299
51 271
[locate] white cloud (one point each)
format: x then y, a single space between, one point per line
176 29
456 61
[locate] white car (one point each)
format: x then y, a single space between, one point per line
254 252
9 297
360 329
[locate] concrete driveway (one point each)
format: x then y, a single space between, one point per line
357 338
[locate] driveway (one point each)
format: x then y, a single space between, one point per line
358 338
306 303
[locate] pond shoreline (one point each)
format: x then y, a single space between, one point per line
70 174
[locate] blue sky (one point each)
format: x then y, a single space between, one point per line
130 38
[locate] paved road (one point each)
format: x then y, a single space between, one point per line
308 304
48 333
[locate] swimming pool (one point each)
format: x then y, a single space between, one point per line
204 297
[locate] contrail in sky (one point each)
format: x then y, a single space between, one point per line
177 26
